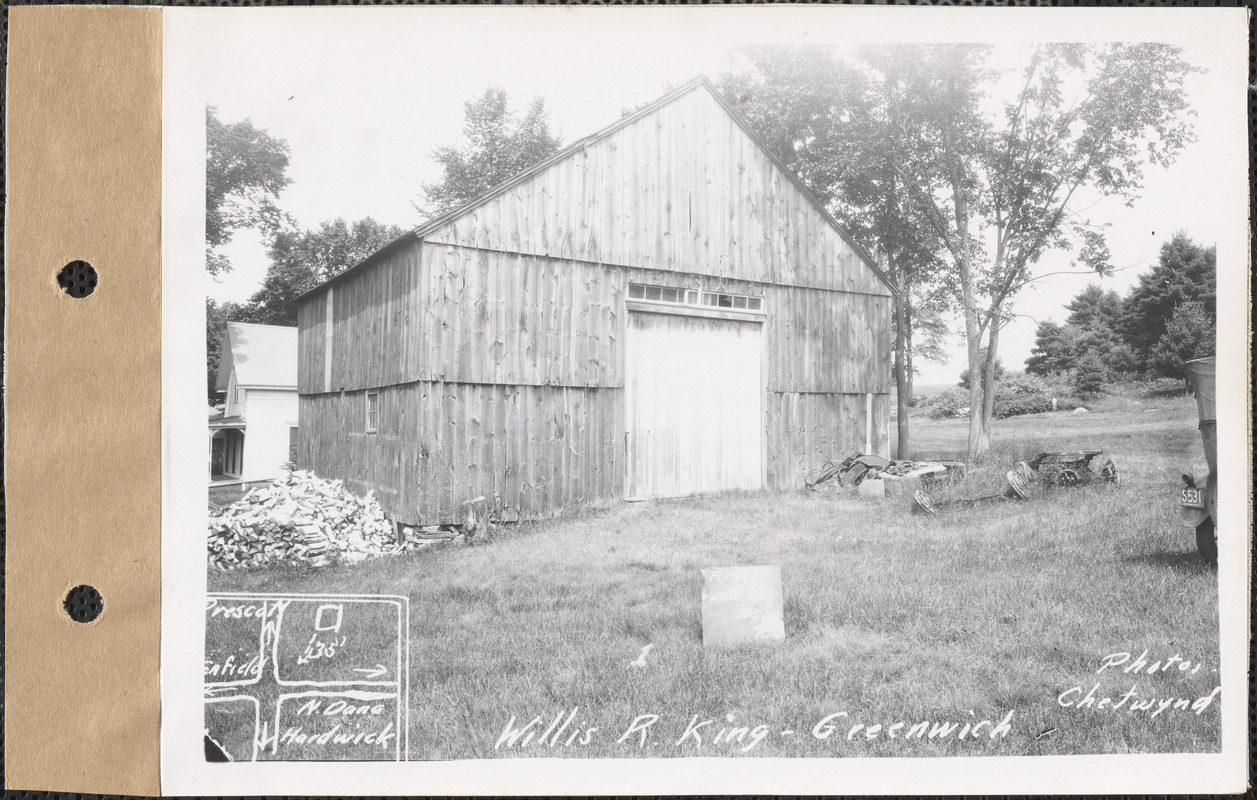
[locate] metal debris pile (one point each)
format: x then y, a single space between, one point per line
859 468
302 519
1070 468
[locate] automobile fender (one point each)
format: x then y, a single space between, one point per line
1191 517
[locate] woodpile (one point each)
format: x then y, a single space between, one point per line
302 519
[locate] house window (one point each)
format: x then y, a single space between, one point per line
292 444
373 412
694 297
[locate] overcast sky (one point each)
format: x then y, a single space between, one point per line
363 95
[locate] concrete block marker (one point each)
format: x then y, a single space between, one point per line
873 488
743 606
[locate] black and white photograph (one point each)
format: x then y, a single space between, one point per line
825 385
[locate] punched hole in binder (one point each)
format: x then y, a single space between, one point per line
83 603
77 279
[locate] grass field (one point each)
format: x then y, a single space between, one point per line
890 618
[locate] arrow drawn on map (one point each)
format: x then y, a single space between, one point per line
379 671
213 690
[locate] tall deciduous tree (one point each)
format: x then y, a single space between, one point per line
1085 119
829 121
300 260
245 171
496 148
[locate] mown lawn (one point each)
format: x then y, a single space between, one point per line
890 617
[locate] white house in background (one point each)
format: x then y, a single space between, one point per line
256 432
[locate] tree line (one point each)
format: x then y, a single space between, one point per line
958 174
246 170
1168 317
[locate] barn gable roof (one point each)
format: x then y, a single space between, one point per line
577 146
263 356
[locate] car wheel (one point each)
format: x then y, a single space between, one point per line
1207 540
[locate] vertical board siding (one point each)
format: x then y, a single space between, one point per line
311 332
538 449
432 312
684 189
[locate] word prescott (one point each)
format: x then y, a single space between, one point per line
567 729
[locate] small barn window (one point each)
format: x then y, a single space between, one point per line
737 301
694 297
373 412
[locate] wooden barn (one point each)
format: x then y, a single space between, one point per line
661 309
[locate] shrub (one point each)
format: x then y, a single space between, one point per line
999 371
1020 393
947 403
1012 405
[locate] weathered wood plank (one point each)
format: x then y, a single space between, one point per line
771 233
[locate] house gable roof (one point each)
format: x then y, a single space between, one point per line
703 83
263 356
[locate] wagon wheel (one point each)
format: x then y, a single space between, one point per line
1024 472
921 503
1108 471
828 470
1017 488
1067 476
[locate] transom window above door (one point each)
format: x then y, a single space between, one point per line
694 297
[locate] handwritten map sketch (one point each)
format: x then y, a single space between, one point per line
306 677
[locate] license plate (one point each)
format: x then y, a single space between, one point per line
1193 498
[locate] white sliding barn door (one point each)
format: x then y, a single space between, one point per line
694 400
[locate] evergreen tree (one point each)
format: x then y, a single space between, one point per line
1185 272
1089 376
1189 334
1053 350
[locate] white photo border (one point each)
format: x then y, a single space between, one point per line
183 767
